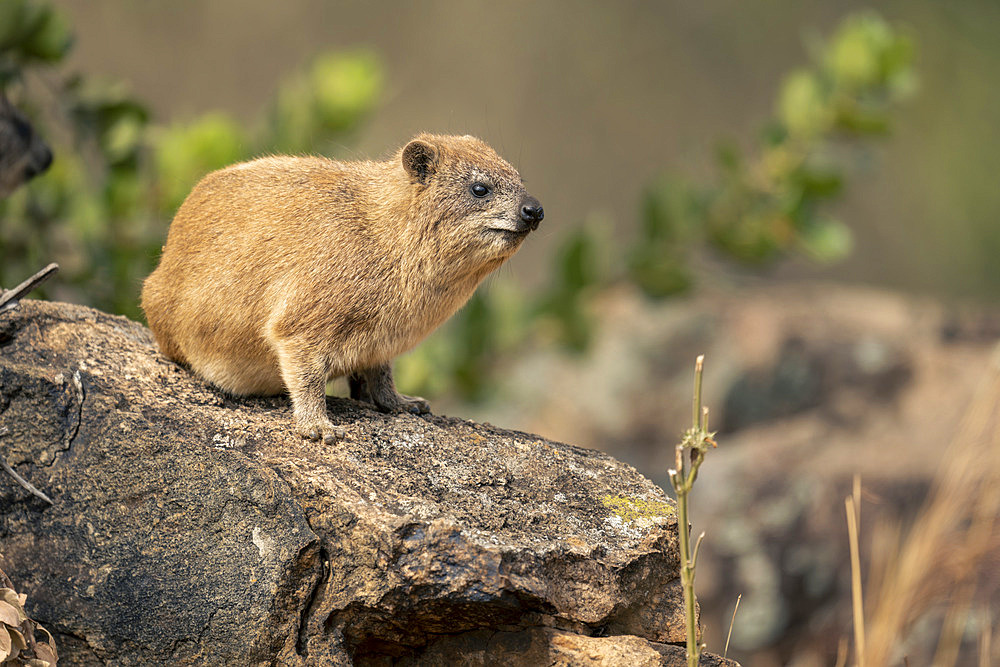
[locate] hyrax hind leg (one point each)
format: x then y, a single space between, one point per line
375 385
304 374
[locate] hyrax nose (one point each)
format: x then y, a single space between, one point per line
532 212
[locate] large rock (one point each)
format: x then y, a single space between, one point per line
191 527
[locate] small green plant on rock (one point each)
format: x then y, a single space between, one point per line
690 455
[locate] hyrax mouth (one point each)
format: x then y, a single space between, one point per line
509 230
529 215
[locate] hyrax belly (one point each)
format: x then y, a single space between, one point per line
281 273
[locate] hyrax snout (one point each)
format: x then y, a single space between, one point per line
284 272
23 154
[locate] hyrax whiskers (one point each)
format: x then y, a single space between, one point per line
284 272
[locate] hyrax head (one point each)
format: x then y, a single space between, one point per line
468 198
23 155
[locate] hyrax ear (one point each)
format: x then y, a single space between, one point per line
420 160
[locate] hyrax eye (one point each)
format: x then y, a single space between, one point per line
479 190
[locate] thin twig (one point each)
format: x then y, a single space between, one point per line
696 412
985 637
10 298
856 492
953 626
732 622
25 483
841 653
20 480
694 552
856 593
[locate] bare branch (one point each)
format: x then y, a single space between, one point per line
20 480
10 298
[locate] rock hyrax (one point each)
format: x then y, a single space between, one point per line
282 273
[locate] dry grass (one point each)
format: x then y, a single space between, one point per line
947 552
853 507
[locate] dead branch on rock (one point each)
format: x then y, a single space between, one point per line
20 480
10 298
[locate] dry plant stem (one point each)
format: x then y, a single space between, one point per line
697 440
841 653
985 637
9 299
732 622
851 503
953 627
20 480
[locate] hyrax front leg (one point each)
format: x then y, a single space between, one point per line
305 378
375 385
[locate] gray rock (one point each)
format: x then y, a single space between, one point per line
190 527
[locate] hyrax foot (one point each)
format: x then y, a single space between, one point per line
375 385
412 404
320 429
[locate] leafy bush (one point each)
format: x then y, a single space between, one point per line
763 209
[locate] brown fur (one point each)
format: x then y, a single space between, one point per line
284 272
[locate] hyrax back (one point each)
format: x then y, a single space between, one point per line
284 272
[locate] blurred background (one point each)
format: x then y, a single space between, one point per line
806 192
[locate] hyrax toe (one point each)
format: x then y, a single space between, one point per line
323 430
414 405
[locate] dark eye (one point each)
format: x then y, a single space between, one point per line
479 190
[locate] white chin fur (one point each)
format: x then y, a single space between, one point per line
505 226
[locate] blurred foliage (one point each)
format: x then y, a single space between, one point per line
103 208
762 209
31 33
577 272
758 211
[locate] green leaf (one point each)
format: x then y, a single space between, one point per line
826 240
123 138
856 53
346 88
660 275
33 31
756 237
820 180
52 38
13 17
185 153
803 105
